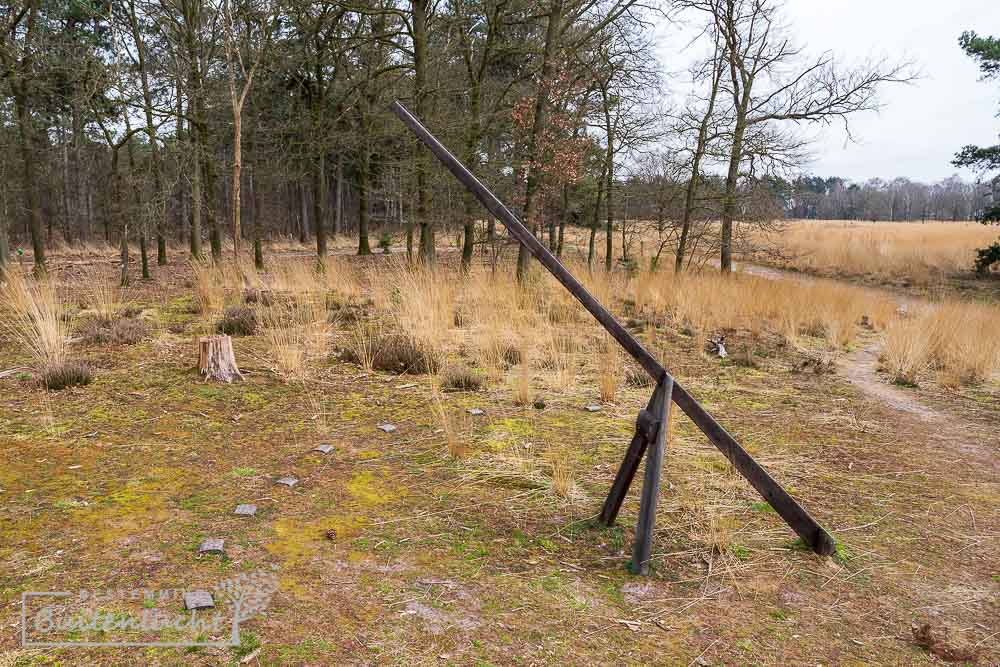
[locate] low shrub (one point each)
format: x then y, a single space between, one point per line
400 353
237 321
63 374
117 331
458 377
636 376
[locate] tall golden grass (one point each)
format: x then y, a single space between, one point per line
104 293
957 340
32 316
518 329
709 303
917 252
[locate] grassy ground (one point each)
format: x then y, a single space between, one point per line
392 551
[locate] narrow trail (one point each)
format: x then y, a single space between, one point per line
954 432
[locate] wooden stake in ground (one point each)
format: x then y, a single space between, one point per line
216 359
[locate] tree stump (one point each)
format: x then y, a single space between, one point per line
216 359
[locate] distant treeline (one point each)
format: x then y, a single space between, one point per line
899 199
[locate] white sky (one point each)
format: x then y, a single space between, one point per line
921 125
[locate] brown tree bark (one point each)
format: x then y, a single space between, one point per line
553 31
419 11
30 176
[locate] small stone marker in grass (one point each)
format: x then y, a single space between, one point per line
288 481
212 545
246 510
388 428
324 449
476 412
593 408
196 600
406 386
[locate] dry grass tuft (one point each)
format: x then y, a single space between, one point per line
209 287
609 371
364 341
522 385
295 333
563 477
459 377
456 428
104 295
34 319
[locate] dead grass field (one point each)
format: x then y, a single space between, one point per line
461 539
906 253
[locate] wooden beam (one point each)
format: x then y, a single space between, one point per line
643 547
645 432
794 514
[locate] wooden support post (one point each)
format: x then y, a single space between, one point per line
811 532
645 431
643 547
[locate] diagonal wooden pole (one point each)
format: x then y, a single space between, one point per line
813 534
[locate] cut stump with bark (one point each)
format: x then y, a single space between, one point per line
216 360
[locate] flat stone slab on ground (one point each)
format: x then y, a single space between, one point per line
246 510
406 386
476 412
388 428
324 449
212 545
593 408
195 600
288 481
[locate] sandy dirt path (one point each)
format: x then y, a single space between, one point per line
937 422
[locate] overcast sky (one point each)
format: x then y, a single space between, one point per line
920 126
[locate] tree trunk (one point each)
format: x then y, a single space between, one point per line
4 239
216 359
318 181
338 213
79 196
144 255
258 250
563 220
533 181
609 171
303 214
196 198
729 207
158 191
419 10
67 190
210 200
364 176
32 200
237 179
596 221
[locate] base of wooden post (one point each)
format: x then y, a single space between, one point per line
216 359
643 547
